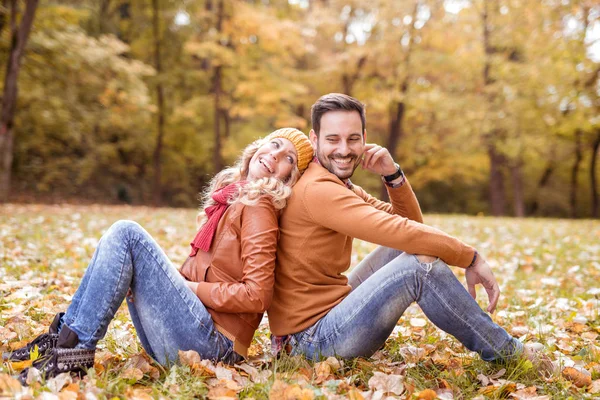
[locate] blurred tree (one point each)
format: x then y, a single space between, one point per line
19 34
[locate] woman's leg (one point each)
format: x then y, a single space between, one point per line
168 315
361 323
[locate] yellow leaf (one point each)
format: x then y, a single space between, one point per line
21 365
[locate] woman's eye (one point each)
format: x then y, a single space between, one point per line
291 160
275 144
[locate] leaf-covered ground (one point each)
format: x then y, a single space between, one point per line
549 272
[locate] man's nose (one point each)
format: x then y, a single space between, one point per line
343 148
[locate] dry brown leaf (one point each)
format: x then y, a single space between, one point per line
189 357
132 374
8 385
71 387
579 378
58 382
67 395
141 362
594 387
139 393
220 392
354 394
334 363
426 394
386 383
412 354
323 371
282 391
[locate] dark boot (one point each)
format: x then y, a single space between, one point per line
63 358
45 342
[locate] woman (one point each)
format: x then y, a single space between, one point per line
228 276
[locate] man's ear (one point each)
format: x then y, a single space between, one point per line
313 138
365 136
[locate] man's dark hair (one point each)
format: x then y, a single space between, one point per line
336 102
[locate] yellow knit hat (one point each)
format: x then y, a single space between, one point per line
300 141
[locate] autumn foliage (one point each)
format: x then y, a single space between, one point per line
489 106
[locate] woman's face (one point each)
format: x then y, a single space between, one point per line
276 158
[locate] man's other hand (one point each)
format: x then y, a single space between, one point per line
378 160
480 272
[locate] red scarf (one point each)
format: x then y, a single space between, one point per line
205 235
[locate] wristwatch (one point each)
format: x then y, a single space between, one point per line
395 175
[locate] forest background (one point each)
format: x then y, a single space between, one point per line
489 106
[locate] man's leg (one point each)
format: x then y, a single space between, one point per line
371 264
361 323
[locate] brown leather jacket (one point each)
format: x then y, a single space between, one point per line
236 275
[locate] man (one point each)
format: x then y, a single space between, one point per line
317 311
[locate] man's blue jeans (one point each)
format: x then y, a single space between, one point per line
384 284
167 315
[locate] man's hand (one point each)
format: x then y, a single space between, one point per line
378 160
481 272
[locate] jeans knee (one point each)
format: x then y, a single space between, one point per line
425 259
124 229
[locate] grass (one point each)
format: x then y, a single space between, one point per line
548 270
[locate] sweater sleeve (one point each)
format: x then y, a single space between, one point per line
350 214
403 201
253 293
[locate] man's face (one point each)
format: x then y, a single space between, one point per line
340 143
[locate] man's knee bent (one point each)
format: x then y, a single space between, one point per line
425 259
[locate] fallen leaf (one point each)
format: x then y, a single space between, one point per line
323 371
282 391
594 387
579 378
134 374
20 365
412 354
189 357
418 322
386 383
426 394
8 385
58 382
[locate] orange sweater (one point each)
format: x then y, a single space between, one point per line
315 244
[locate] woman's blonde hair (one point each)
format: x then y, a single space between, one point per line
278 191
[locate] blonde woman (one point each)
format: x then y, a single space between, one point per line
215 302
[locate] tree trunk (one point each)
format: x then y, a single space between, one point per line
398 108
103 8
497 192
575 174
517 185
217 159
160 100
545 178
593 177
218 91
19 36
348 80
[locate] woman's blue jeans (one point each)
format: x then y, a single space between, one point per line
383 285
168 316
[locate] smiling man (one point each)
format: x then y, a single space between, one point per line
316 310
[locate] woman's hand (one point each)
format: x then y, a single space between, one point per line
480 272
